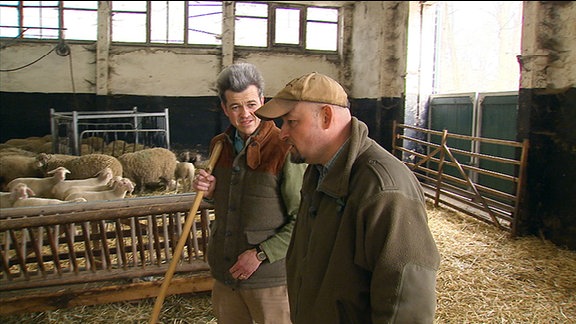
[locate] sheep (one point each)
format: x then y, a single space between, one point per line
42 186
81 167
15 151
185 172
14 166
189 156
20 191
121 188
75 189
30 144
100 179
38 201
149 167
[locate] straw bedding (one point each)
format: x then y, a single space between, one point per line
484 277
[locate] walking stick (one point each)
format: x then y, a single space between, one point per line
185 231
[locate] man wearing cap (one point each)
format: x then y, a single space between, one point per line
361 249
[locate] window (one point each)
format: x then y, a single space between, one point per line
294 26
205 22
322 29
287 27
251 24
169 23
81 20
49 19
129 21
277 26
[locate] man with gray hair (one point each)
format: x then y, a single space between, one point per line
256 199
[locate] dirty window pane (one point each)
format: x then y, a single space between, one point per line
322 29
129 21
251 24
287 29
167 22
205 22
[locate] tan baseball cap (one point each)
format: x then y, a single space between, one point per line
312 87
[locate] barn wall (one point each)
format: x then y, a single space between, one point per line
547 117
112 77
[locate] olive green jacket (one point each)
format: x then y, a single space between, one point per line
361 250
256 199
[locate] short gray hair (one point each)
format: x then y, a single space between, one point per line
237 77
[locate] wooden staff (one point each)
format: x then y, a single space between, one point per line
185 232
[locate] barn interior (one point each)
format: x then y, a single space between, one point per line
425 64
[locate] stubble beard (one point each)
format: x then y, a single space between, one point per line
295 156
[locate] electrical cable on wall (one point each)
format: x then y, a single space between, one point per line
27 65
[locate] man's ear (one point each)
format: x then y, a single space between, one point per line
327 115
224 109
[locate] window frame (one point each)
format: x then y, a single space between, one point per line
300 48
185 42
61 10
271 38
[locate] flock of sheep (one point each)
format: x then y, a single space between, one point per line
30 178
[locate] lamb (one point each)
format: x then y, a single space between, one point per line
149 167
81 167
42 186
38 201
75 189
189 156
20 191
102 178
121 188
185 172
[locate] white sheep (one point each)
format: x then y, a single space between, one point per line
149 167
101 179
184 173
75 189
20 191
81 167
37 201
121 188
189 156
42 186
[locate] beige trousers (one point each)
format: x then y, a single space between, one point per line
250 306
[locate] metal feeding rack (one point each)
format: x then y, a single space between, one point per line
110 132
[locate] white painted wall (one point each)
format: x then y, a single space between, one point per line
147 72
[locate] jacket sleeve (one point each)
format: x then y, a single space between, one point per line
400 251
292 173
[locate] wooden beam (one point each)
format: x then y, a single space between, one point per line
64 298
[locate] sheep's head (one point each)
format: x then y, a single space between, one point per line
21 191
112 182
59 173
42 160
127 185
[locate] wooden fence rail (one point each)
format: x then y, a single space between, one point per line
464 178
126 239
